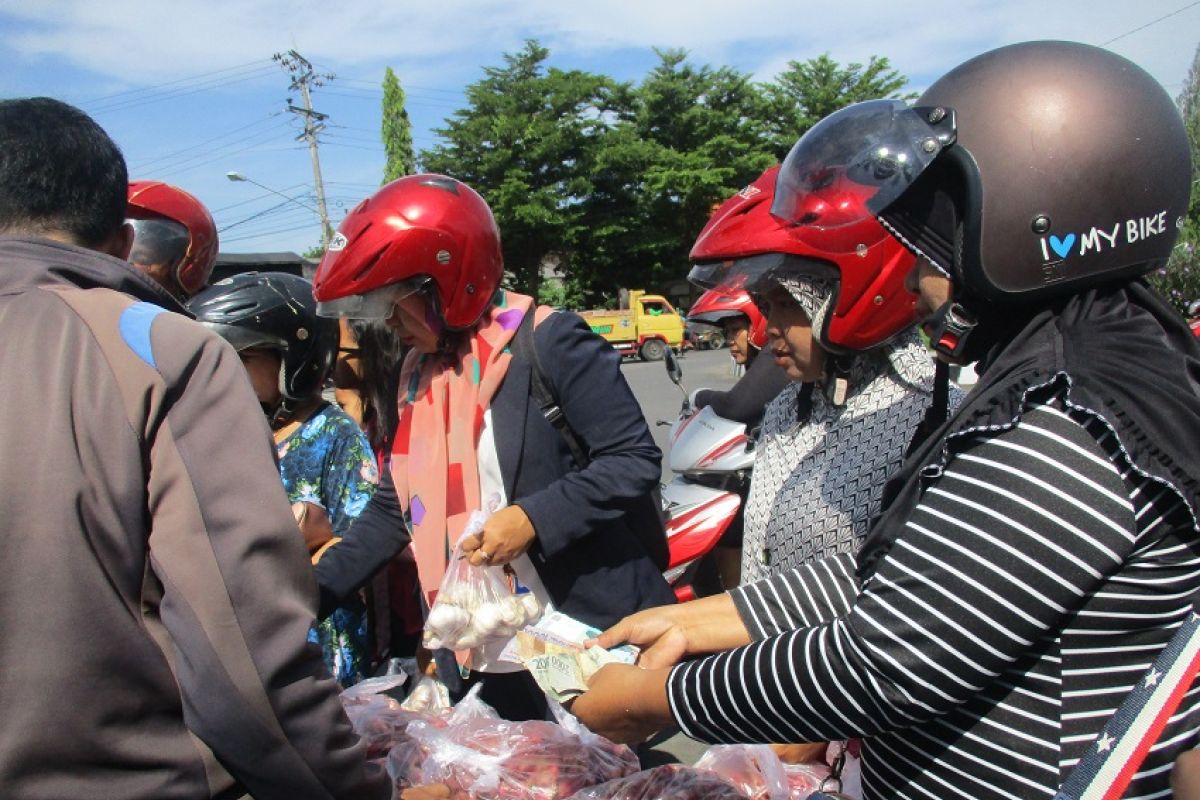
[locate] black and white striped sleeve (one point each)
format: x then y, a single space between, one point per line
799 598
1002 548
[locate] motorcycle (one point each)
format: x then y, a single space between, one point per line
712 458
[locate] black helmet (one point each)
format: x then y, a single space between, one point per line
276 311
1028 172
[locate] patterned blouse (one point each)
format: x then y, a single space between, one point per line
818 478
328 461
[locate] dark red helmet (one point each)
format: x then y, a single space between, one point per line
176 227
718 304
745 246
421 231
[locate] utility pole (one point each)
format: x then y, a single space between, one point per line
303 78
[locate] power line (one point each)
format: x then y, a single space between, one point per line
168 83
170 156
266 212
407 86
265 234
137 102
347 146
1148 24
202 159
255 199
376 97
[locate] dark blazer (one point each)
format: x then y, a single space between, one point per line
591 563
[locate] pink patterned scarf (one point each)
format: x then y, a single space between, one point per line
435 455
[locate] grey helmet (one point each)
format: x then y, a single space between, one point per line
1028 172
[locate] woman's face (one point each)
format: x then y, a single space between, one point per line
737 333
409 320
791 340
262 367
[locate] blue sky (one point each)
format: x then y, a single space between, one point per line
189 91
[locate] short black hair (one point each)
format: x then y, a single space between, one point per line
59 172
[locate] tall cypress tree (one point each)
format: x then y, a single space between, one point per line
397 130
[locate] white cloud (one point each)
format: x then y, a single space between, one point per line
148 42
83 51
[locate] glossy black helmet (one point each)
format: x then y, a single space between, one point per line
1028 172
274 311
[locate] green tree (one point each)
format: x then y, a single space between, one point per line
1179 283
1189 107
688 136
808 91
522 142
396 130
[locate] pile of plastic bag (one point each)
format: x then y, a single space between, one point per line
469 753
724 772
479 756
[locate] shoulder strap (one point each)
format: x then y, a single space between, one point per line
647 517
1111 762
524 346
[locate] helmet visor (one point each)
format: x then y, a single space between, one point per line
246 338
858 160
158 241
375 304
757 274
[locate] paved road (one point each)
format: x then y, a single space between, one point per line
658 397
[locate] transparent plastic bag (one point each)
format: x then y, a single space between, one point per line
753 769
429 696
378 719
474 605
667 782
482 757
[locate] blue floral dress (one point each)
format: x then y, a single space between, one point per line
328 461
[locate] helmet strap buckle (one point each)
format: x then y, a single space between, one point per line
949 329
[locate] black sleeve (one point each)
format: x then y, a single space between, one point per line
374 539
748 398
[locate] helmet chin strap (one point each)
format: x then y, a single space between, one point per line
949 329
281 415
837 379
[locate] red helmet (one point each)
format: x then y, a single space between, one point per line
745 246
420 230
720 303
154 204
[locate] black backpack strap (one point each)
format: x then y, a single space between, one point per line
524 347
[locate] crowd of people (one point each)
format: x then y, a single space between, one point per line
258 484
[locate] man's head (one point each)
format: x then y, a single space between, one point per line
175 239
61 177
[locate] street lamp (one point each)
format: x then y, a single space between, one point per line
238 177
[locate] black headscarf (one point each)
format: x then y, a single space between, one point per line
1123 354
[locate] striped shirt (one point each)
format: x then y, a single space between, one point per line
1034 584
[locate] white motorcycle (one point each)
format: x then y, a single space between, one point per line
712 458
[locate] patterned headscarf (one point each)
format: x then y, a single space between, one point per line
819 471
812 294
